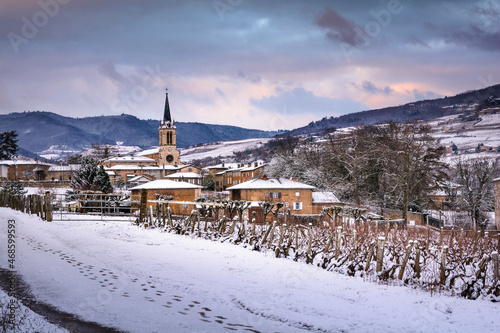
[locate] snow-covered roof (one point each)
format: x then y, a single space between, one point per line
241 168
135 159
496 179
22 162
252 168
133 167
324 197
71 167
184 175
165 184
272 183
136 178
148 152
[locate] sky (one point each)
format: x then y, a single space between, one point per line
256 64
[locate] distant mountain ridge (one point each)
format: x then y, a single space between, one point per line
40 130
420 110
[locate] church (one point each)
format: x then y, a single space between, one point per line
167 152
159 163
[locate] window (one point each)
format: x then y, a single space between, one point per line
185 206
275 195
297 194
190 169
297 205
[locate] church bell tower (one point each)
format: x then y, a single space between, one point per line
168 153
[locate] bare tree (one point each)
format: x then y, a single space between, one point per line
411 165
476 196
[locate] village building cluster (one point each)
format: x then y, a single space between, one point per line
162 173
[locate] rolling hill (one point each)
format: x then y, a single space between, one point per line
39 131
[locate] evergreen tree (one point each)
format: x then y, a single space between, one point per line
91 177
8 145
13 188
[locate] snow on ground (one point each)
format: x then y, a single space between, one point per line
225 148
489 119
25 320
140 280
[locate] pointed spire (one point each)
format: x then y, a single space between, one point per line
166 114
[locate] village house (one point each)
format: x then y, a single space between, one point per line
128 160
62 172
296 196
236 173
184 194
188 177
139 180
443 198
24 170
492 110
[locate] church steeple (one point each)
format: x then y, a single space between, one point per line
166 114
167 152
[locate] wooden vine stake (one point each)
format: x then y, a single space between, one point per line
143 206
417 260
444 252
309 246
380 253
496 269
405 260
337 242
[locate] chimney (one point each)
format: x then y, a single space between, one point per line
294 179
256 164
264 177
222 164
249 164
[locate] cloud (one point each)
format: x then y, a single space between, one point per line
423 95
300 101
370 88
109 70
220 92
478 30
253 78
339 28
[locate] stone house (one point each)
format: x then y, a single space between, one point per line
184 194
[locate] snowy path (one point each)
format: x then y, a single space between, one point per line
147 281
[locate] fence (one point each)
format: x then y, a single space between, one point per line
30 204
92 206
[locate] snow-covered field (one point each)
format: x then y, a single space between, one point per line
144 280
467 135
224 149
